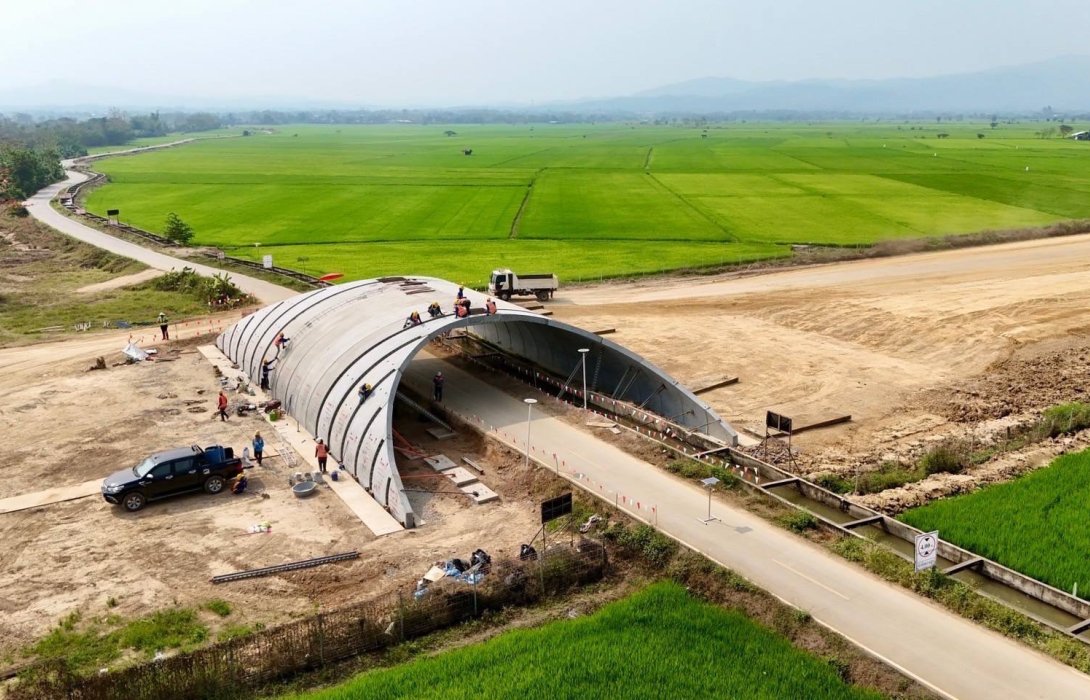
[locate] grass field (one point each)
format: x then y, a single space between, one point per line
40 271
659 643
592 200
1035 524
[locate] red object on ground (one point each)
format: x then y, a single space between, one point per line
331 276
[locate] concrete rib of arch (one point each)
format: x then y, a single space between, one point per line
344 336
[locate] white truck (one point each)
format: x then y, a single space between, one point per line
505 284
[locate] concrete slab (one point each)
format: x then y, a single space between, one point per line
480 493
440 433
460 476
46 497
440 463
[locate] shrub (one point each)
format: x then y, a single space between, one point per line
1065 419
643 541
833 482
166 629
693 469
218 606
214 288
888 475
797 521
948 457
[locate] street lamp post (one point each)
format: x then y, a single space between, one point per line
709 484
529 414
583 352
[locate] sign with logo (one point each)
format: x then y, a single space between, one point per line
266 262
927 550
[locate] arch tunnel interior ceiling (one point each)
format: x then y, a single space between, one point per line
341 337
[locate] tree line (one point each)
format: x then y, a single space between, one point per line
31 150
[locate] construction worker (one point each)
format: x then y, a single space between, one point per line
434 310
365 392
259 447
413 320
164 326
266 367
281 342
221 406
490 307
461 293
321 451
437 386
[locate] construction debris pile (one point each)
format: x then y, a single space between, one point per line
473 572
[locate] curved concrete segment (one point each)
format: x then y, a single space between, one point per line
344 336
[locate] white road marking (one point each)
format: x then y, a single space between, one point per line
811 580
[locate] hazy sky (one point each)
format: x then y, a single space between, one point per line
425 52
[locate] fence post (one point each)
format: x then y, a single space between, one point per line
401 612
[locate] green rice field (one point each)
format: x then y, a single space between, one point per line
1035 524
587 201
658 643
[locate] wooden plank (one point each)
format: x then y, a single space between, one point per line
717 385
822 424
57 494
605 331
473 464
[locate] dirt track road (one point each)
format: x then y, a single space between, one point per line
853 338
1056 264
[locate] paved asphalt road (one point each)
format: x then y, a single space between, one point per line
951 655
948 653
39 208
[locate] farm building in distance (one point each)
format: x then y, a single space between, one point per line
345 336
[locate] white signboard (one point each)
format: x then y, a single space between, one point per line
927 550
266 261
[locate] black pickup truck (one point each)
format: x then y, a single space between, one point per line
170 473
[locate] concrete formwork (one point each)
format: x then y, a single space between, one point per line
342 337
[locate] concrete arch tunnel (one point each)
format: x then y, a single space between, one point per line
355 333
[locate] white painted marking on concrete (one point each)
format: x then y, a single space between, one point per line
811 580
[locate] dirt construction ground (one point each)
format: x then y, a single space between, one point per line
913 348
65 425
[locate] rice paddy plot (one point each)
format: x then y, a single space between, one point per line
469 262
445 198
658 643
1035 524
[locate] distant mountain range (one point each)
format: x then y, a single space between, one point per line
65 97
1062 83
